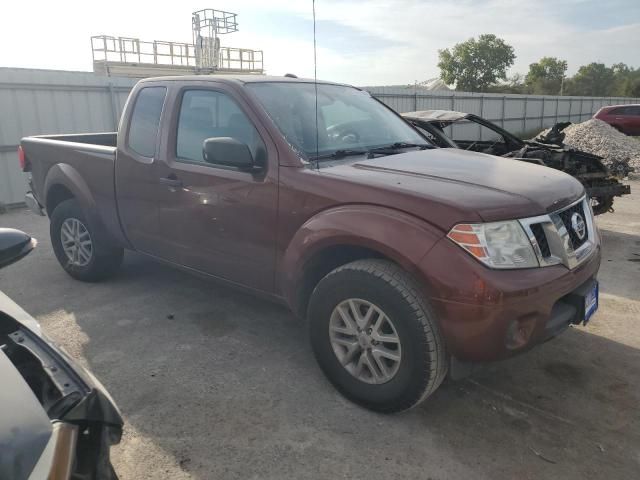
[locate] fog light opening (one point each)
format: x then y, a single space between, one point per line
520 331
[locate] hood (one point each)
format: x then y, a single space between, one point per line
468 186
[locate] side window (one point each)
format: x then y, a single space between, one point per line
145 119
635 110
622 111
208 114
470 131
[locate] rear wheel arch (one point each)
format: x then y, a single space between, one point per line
64 179
63 182
57 194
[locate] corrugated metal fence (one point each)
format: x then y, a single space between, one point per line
44 101
36 102
515 113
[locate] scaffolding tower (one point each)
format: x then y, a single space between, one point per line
132 57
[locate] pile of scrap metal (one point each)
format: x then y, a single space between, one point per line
547 149
617 163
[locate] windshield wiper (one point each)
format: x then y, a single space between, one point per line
398 146
392 148
340 154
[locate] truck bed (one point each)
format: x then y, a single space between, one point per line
87 161
106 139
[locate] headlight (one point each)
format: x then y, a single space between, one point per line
496 244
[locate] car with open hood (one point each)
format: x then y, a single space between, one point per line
450 129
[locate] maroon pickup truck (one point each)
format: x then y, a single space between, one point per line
408 261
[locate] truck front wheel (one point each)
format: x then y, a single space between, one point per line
375 337
79 250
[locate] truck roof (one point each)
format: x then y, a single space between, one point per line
622 105
238 79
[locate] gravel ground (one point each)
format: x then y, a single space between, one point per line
217 384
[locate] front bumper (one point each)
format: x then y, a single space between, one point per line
477 307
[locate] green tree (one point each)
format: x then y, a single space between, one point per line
633 88
626 81
474 65
594 79
545 76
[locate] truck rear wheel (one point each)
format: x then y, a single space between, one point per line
375 337
79 250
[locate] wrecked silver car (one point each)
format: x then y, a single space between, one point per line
450 129
56 420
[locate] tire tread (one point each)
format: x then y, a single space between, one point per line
107 259
435 360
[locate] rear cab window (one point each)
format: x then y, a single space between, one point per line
145 121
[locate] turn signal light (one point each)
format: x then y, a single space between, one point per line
465 236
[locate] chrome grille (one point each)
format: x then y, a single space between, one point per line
554 238
566 217
541 238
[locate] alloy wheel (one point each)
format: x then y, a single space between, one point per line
76 242
365 341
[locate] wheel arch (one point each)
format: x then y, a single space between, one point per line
64 182
339 236
57 194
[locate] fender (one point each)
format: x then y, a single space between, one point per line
67 176
401 237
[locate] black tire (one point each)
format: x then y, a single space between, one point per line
105 259
602 205
423 363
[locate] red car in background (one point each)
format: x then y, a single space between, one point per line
625 118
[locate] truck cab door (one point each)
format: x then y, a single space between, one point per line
218 219
137 191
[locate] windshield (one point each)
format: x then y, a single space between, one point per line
348 119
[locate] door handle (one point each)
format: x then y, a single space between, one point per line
171 181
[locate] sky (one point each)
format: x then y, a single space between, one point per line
373 42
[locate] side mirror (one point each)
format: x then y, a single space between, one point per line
14 245
228 151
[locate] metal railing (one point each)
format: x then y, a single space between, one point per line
125 50
132 50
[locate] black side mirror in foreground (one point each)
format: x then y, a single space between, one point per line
14 245
229 152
